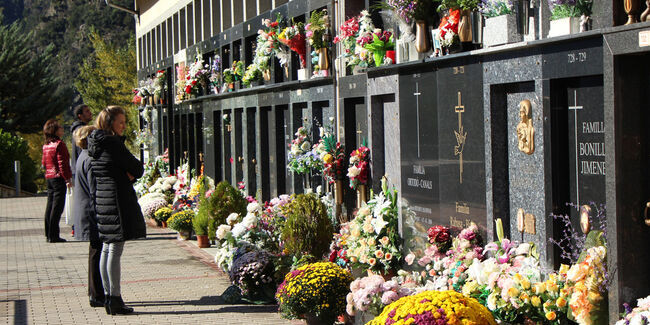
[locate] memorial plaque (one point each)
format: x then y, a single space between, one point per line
461 147
586 139
419 155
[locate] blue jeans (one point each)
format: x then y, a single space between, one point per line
109 267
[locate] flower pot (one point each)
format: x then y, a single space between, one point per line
303 74
465 26
184 235
422 44
564 26
202 241
323 59
500 30
631 9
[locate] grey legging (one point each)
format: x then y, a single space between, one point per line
109 267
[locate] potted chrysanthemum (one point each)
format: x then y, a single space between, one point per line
314 292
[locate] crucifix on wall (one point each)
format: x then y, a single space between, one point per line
417 94
575 109
359 132
461 136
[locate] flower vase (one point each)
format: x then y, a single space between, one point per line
477 27
323 59
422 44
202 241
156 98
465 26
266 74
163 224
302 74
184 235
362 195
646 13
631 9
338 192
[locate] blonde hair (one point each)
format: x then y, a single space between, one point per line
81 134
107 116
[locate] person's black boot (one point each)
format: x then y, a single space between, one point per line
107 304
97 302
117 306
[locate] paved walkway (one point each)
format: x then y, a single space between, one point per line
166 281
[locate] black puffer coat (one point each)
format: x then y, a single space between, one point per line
118 213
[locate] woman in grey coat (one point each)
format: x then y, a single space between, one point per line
85 220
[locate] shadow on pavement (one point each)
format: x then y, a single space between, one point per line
203 301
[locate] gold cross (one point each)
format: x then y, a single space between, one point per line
461 136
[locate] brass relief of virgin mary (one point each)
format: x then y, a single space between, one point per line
525 130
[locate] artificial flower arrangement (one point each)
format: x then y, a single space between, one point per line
197 76
317 29
587 278
495 8
358 170
332 155
233 74
640 315
160 83
215 74
165 185
152 202
446 264
435 307
371 294
145 89
302 159
181 221
448 29
153 171
352 32
293 37
253 273
374 242
181 82
314 290
252 74
380 45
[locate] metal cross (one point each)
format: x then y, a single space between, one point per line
575 109
359 132
417 94
461 135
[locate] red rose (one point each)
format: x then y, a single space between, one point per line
438 234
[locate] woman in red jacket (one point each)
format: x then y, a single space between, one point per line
56 161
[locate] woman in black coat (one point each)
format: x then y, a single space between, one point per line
85 221
118 213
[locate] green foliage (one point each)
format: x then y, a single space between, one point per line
181 221
200 223
224 200
107 77
29 86
581 7
15 148
307 229
457 4
65 24
163 214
